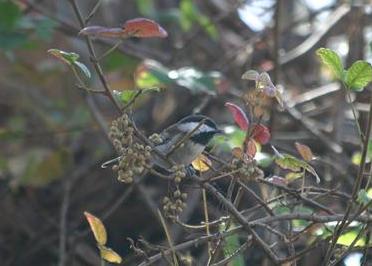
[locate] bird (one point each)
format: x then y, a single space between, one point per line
181 142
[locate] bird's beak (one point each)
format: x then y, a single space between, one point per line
220 131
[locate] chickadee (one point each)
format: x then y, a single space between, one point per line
183 141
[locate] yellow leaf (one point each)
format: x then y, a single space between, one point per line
97 228
294 175
347 238
201 163
109 255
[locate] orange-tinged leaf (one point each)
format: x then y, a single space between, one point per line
304 151
251 148
237 152
261 134
97 228
109 255
143 28
201 163
239 115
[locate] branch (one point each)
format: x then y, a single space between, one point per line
93 56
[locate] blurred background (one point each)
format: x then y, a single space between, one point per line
52 141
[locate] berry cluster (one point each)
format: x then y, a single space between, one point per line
179 173
134 157
175 204
156 139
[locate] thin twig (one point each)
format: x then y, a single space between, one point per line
257 198
340 227
93 11
170 242
206 220
93 56
185 138
110 50
63 222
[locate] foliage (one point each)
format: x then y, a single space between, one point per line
256 204
357 77
100 235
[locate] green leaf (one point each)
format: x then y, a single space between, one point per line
358 75
281 210
208 26
190 14
146 7
152 74
12 40
146 79
68 57
301 224
363 197
331 59
83 68
233 137
119 61
9 15
263 159
127 95
44 28
194 80
289 162
231 244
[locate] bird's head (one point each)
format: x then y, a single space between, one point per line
202 127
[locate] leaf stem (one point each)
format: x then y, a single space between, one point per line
361 135
110 50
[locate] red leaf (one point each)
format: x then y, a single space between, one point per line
143 28
261 134
251 148
239 116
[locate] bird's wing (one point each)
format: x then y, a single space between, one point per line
169 132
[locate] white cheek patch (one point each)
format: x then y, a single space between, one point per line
190 126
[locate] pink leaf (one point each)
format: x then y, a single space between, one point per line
99 31
261 134
278 180
239 116
143 28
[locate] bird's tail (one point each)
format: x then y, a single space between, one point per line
110 162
